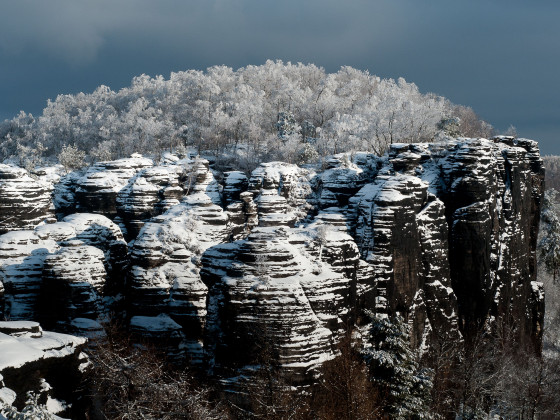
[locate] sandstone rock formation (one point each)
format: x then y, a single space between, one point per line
150 193
74 280
276 289
24 202
96 191
41 361
68 264
164 276
285 259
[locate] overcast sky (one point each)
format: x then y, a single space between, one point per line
501 57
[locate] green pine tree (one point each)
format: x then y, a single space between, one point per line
394 370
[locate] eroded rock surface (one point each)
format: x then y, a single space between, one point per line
96 191
41 361
59 271
224 266
25 202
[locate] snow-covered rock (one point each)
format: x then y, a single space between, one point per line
164 275
86 248
283 193
73 283
224 265
22 255
25 202
340 181
96 191
31 358
259 295
235 183
150 193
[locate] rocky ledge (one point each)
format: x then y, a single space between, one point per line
47 363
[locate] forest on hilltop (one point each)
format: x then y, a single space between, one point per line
276 111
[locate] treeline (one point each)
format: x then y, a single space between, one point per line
284 111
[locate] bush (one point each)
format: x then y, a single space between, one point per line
134 382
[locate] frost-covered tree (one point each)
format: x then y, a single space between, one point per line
511 131
30 157
450 126
71 157
236 113
395 371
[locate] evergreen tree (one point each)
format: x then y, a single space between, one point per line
394 370
450 126
33 410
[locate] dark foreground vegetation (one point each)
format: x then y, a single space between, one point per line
383 380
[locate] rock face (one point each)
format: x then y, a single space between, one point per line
276 290
460 220
165 260
402 233
225 267
150 193
22 255
35 360
96 191
492 196
74 279
283 193
24 202
59 271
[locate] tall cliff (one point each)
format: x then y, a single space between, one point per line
223 266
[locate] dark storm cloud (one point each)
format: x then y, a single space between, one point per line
500 57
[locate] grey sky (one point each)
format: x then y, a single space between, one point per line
502 57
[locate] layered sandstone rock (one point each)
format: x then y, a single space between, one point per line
455 222
263 294
73 283
41 361
412 233
341 180
25 202
285 259
82 248
164 275
22 255
283 193
96 191
150 193
492 192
